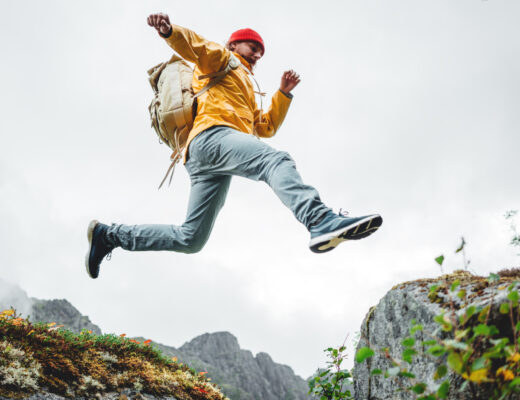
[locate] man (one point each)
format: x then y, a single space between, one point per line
223 142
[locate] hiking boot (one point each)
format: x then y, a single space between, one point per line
333 229
98 247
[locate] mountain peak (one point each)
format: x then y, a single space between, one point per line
212 343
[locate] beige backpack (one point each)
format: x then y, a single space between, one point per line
173 107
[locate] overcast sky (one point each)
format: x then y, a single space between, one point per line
408 108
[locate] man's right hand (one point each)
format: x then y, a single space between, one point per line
161 22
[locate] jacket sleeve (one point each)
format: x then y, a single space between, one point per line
208 56
267 124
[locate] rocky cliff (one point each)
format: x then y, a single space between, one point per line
388 324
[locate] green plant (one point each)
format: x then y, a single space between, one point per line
461 249
401 368
333 382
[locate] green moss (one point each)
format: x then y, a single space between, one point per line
433 295
473 285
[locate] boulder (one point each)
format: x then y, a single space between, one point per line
388 323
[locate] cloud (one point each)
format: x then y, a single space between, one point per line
11 296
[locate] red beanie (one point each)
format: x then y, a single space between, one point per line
243 35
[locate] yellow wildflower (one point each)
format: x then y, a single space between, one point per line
7 313
506 374
476 376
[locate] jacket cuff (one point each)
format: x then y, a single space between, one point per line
288 95
166 36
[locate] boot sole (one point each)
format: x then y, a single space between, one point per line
358 230
90 233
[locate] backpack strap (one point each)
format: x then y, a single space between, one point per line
174 160
216 77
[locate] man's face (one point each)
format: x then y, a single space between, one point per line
250 51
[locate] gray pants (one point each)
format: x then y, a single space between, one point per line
215 155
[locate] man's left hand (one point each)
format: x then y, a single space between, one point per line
289 81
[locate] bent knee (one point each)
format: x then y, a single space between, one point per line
281 156
193 248
279 159
194 242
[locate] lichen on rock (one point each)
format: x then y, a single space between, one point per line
18 370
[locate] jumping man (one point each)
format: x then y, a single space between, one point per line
223 142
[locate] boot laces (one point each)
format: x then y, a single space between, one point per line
343 213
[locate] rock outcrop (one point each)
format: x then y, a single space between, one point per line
240 374
388 323
41 361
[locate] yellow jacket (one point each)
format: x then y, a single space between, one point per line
232 101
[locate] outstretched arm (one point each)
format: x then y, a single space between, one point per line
161 22
268 123
209 56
